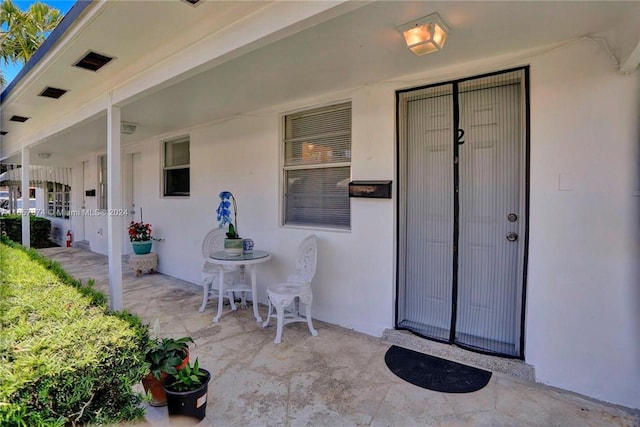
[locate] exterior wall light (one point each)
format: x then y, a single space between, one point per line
425 35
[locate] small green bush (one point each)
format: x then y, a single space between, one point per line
64 358
11 226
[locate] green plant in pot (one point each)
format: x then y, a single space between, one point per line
166 356
186 392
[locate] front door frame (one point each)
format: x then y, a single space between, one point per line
527 166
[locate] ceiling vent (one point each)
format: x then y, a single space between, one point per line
3 132
93 61
20 119
192 2
52 92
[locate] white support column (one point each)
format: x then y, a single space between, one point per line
26 221
114 201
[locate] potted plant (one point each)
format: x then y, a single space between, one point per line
186 391
166 356
140 237
233 242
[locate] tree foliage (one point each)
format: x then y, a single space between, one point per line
22 32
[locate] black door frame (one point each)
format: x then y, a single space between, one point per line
456 229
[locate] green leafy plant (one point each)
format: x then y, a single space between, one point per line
24 31
232 233
187 379
65 358
40 227
166 354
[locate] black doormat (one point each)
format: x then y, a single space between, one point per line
435 373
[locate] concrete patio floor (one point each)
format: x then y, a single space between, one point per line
338 378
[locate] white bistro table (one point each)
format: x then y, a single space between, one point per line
251 260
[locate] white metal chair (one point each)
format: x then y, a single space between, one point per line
296 289
213 242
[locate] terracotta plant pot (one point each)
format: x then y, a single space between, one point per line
154 386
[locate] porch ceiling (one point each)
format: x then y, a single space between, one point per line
357 47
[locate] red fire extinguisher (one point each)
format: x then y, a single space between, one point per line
69 238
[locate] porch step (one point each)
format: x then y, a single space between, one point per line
513 367
82 244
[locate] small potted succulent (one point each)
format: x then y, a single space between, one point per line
166 356
186 392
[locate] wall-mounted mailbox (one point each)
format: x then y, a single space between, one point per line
370 189
90 193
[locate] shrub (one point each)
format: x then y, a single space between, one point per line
64 358
40 227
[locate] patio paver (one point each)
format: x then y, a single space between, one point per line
338 378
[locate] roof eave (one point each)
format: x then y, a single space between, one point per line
67 21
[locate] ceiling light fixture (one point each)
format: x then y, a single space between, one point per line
128 128
425 35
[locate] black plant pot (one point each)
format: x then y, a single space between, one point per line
191 404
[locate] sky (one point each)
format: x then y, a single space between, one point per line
11 70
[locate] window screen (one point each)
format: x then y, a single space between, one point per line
176 167
317 167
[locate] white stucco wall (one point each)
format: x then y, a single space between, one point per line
582 321
353 286
87 221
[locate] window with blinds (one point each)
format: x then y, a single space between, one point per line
317 167
176 167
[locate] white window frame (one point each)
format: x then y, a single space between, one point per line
58 208
103 200
313 166
165 168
